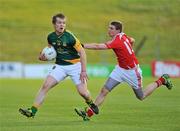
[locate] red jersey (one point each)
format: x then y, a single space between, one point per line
122 46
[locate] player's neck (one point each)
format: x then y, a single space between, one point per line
59 33
114 35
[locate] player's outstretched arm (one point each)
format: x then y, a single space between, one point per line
96 46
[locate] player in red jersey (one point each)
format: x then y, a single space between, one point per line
127 70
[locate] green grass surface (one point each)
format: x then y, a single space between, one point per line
24 25
120 112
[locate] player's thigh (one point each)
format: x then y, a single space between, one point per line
49 82
74 72
116 74
133 78
58 73
111 84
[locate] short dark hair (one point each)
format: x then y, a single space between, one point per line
117 24
59 15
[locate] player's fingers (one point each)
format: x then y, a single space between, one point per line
82 80
83 77
86 77
42 57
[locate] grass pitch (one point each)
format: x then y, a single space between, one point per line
120 112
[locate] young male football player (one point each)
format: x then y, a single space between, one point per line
127 70
70 61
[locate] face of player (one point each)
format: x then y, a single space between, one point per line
60 25
112 31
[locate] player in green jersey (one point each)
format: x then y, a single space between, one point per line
70 61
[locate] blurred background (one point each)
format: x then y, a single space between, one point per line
24 26
155 25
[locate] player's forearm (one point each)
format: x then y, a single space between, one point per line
95 46
83 60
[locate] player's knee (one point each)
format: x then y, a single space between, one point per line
141 98
139 94
84 94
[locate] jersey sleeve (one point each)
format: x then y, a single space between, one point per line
114 43
76 43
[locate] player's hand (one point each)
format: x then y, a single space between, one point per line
42 57
83 77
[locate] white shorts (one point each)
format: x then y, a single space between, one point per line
60 72
132 76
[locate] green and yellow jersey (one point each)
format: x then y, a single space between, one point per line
66 46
